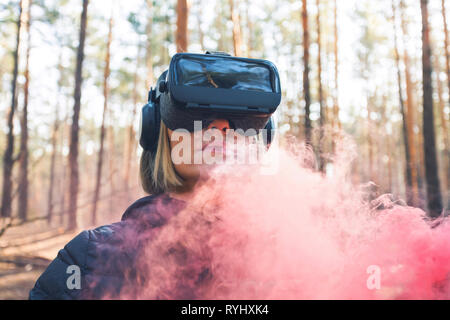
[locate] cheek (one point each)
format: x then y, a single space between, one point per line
187 170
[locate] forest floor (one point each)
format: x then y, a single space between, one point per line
24 255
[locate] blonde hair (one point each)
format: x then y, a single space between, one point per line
157 172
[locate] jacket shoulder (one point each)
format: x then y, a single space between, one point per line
57 282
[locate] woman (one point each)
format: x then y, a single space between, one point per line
109 261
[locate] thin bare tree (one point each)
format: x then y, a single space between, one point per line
249 29
410 110
446 43
106 73
8 157
444 128
335 120
181 37
320 89
53 141
306 91
130 142
434 199
22 207
74 133
408 162
235 19
148 52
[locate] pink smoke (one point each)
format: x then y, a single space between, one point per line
296 235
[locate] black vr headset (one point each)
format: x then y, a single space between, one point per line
205 87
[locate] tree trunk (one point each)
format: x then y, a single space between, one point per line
446 43
8 160
336 121
54 140
73 149
201 34
112 166
22 207
249 31
370 136
410 109
237 42
130 141
306 71
181 37
148 33
319 79
431 167
106 74
444 131
447 68
406 142
52 169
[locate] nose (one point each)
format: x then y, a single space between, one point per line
220 124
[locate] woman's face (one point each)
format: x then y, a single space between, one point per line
193 153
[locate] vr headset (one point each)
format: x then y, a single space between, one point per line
205 87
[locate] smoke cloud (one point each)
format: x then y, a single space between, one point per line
295 234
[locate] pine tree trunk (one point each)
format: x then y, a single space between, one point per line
249 31
335 121
306 91
237 42
130 142
319 79
23 153
148 53
181 37
54 139
444 131
112 166
8 160
446 43
73 149
431 167
98 177
408 162
201 34
52 169
447 68
410 109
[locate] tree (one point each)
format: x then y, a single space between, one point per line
402 111
410 109
444 128
336 70
306 92
237 42
23 153
53 140
8 159
130 142
181 37
74 133
249 29
106 74
431 167
320 89
201 34
446 43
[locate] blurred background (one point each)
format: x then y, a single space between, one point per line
74 75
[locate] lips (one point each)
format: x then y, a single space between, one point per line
214 148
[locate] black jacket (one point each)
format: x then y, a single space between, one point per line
107 257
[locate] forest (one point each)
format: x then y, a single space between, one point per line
74 75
